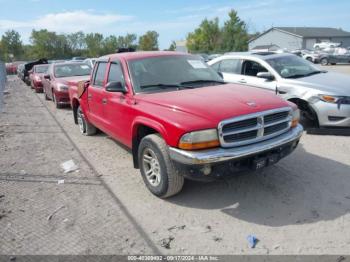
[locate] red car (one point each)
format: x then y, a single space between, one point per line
36 75
181 121
55 82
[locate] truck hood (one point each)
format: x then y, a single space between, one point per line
73 79
216 103
328 83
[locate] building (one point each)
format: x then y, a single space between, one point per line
181 46
292 38
265 48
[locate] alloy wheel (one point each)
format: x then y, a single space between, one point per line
151 167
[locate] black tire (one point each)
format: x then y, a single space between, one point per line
45 95
57 105
171 181
85 127
333 63
324 61
310 115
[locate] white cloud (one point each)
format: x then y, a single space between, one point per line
69 21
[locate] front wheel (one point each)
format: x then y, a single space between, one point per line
54 99
85 127
157 169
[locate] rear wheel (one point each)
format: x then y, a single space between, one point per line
85 127
157 169
324 61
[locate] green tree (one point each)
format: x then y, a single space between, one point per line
129 40
172 46
149 41
206 38
234 34
76 42
11 45
110 44
94 44
49 45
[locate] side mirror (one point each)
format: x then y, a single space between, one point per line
116 87
82 86
47 76
266 75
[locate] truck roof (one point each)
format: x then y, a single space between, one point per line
139 55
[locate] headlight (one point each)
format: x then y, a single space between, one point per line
295 114
61 87
37 78
335 99
200 140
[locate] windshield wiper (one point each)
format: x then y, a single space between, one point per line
165 86
305 75
316 72
201 81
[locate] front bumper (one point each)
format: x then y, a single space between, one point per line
331 115
62 97
218 155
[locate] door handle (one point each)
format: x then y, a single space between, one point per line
104 101
243 81
89 96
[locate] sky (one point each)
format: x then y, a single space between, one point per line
173 20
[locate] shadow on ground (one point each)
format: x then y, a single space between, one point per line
303 188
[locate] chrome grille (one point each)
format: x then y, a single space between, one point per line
248 129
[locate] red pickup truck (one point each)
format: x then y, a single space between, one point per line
181 121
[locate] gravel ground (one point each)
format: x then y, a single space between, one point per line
299 206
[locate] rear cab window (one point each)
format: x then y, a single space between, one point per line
99 75
231 66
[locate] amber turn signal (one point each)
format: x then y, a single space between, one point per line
197 146
295 118
202 139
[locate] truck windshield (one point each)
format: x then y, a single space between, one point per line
292 66
67 70
171 72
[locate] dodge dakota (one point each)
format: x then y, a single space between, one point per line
180 120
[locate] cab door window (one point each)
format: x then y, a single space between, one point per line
115 73
252 68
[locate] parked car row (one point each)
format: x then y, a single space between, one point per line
176 114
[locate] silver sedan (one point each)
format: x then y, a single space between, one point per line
323 97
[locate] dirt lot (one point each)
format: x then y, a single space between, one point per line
299 206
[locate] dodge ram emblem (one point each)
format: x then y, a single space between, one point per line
251 104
